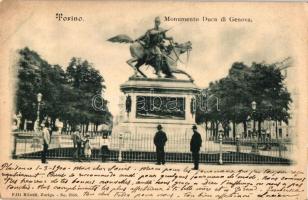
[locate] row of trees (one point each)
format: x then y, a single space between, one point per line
233 96
67 95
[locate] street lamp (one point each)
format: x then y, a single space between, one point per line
220 133
254 148
39 99
254 107
120 147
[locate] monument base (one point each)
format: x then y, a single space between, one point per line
149 102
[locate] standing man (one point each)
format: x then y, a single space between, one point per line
160 140
46 141
74 138
195 144
77 140
104 146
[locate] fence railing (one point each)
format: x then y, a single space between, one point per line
140 147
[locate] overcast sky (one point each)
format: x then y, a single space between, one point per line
216 45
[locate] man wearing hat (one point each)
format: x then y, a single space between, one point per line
46 140
79 141
160 140
195 144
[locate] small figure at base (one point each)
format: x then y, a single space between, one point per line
195 144
160 140
104 148
46 141
87 148
78 152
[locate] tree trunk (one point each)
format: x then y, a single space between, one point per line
205 122
259 128
211 129
22 124
216 128
245 128
53 124
64 126
87 127
234 127
276 129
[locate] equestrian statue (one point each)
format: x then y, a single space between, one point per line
151 49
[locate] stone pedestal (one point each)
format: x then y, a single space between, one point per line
149 102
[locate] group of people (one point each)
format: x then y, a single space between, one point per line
82 146
160 140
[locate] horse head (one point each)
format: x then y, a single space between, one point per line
174 52
184 47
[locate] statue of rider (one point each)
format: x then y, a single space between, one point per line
153 42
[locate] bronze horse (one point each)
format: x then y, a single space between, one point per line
139 56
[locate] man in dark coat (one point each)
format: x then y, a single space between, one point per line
195 144
77 141
46 141
160 140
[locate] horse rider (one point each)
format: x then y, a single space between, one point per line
153 42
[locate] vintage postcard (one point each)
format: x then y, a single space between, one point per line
153 100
